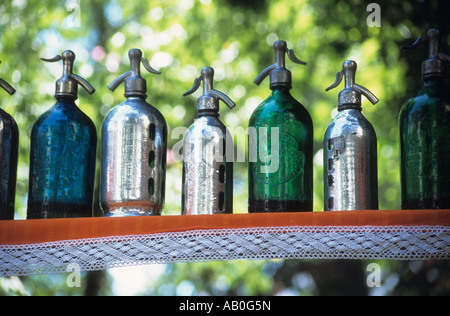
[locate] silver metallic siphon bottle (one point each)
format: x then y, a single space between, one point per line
208 152
350 150
134 149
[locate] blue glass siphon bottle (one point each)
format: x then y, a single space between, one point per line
9 148
63 150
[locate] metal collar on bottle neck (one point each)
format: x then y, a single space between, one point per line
280 76
350 97
209 101
437 63
135 85
67 85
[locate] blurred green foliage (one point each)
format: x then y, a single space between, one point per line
235 37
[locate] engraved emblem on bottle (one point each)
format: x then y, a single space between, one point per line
413 157
202 168
200 173
203 183
58 158
428 152
279 159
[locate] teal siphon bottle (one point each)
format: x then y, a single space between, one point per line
425 135
63 152
9 150
280 145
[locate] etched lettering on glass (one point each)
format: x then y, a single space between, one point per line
58 158
133 158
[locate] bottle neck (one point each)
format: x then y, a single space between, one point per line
348 107
435 86
350 110
202 113
136 95
136 98
282 95
434 81
281 90
65 101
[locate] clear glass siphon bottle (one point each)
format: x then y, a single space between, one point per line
280 145
207 161
63 149
350 150
134 149
425 134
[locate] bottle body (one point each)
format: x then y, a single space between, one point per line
9 147
280 156
62 163
350 163
425 148
207 168
134 151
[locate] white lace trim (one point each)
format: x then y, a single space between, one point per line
293 242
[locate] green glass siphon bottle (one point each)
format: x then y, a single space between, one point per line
280 145
425 135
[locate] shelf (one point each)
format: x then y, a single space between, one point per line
30 247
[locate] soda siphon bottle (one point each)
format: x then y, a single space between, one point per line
350 150
134 149
207 158
9 150
63 149
280 145
425 134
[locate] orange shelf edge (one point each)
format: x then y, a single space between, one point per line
52 230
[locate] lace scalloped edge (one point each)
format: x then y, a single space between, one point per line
259 243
